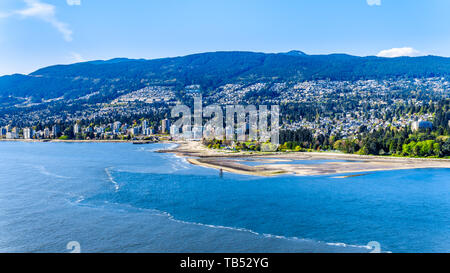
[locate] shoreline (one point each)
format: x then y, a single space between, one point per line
83 141
197 154
277 163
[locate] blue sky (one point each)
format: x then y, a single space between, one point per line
38 33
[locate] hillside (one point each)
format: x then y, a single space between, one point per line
210 70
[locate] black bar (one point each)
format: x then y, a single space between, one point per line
227 262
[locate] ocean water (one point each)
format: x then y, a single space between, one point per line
127 198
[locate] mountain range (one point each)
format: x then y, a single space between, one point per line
209 70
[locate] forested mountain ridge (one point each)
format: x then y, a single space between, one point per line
210 70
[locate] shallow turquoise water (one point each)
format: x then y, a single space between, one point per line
126 198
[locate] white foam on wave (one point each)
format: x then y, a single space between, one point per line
330 244
171 217
266 235
167 165
80 199
176 162
111 179
179 163
165 147
44 171
156 212
172 146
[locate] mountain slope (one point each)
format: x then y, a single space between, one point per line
211 70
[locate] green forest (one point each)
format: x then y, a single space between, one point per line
393 141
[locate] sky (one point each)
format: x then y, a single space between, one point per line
39 33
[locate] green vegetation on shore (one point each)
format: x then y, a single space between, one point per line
390 141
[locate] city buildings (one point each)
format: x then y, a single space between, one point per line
46 133
56 130
28 133
144 125
421 125
76 128
13 134
165 126
116 127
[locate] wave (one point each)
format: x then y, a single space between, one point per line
156 212
111 179
266 235
179 163
157 148
172 146
165 146
166 166
141 149
80 199
44 171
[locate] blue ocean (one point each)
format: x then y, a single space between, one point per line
119 197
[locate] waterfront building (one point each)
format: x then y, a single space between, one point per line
165 126
135 131
12 135
116 126
124 128
173 131
47 133
39 134
99 130
56 130
197 132
28 133
149 131
144 125
76 129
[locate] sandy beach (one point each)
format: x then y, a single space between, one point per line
277 163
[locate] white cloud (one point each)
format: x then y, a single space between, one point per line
44 12
374 2
76 57
73 2
37 9
3 15
399 52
